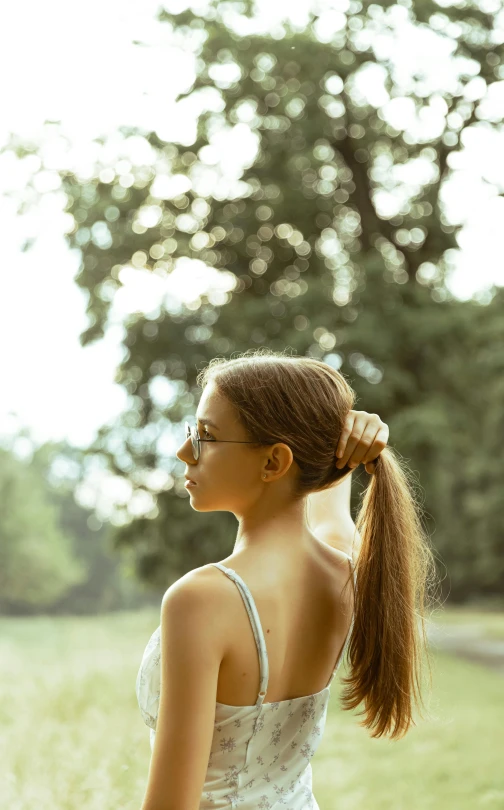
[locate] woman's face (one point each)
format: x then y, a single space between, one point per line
228 476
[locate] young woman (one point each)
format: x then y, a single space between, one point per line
234 683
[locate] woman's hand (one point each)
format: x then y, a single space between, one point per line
362 439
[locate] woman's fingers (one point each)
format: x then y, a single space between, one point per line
364 448
370 466
362 439
380 441
350 435
357 435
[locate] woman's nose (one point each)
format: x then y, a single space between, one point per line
184 451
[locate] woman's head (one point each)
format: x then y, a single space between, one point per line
289 413
277 415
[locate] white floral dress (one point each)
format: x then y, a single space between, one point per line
260 755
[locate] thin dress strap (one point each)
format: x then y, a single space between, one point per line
256 627
345 645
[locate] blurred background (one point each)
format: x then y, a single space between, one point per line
183 181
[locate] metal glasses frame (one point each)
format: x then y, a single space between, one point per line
192 433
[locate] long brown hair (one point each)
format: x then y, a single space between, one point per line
303 402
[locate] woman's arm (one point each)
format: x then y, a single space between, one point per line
330 519
328 513
331 504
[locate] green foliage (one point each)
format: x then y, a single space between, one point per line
51 559
327 247
36 564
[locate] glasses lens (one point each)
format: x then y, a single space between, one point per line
194 444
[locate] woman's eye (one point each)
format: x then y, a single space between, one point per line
207 433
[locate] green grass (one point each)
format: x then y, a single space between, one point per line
452 761
490 624
71 735
72 738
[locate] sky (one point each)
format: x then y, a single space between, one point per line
78 65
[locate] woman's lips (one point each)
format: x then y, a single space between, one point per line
190 484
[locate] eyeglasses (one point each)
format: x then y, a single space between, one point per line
192 433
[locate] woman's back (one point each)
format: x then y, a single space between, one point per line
287 638
305 616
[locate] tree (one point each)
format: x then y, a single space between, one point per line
36 564
334 242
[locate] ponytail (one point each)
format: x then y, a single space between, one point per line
394 571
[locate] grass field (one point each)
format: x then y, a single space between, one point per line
490 624
72 738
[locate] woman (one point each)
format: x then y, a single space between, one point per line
235 682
